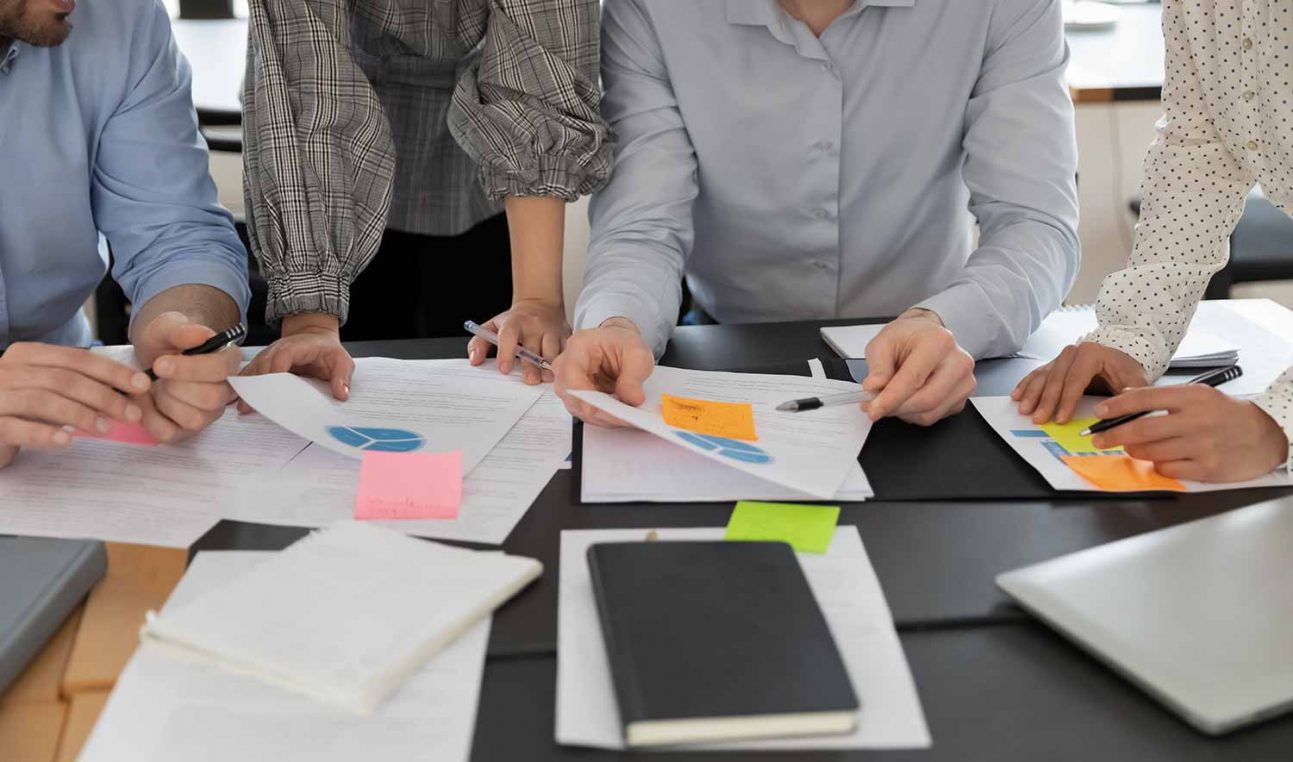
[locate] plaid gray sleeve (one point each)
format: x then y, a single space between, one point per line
527 111
318 156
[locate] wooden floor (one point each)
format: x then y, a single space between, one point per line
48 713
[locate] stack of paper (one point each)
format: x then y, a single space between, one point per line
397 406
346 614
850 598
153 495
730 420
1199 348
319 487
169 707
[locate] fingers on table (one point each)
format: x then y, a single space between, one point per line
79 361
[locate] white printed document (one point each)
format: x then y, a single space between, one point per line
397 406
318 487
1200 348
850 598
811 452
166 495
1043 452
169 707
346 614
625 466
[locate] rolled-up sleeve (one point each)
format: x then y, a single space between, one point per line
527 109
152 192
1021 166
319 158
642 228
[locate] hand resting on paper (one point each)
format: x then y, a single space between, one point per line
917 371
44 388
1052 391
538 326
1206 435
310 346
612 358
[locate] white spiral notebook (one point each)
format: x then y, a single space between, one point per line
346 614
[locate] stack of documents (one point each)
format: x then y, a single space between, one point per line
850 598
1199 349
770 455
167 495
346 614
1067 325
167 706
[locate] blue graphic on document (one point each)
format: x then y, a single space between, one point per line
728 448
377 440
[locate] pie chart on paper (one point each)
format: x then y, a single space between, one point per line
377 440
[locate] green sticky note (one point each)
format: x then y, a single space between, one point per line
1069 435
808 528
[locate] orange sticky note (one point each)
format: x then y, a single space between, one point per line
734 420
1121 473
128 433
409 485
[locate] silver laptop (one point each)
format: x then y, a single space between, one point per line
1199 615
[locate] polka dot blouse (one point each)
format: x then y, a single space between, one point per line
1228 101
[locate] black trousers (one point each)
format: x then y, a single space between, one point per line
421 286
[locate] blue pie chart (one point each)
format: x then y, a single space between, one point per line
728 448
377 440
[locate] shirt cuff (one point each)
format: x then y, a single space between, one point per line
1140 345
965 312
193 273
1277 402
593 312
556 176
295 293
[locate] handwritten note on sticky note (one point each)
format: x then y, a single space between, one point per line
128 433
808 528
1069 435
1121 473
734 420
409 485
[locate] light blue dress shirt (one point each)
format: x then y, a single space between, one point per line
98 136
792 177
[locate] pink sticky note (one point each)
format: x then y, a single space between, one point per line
409 485
129 433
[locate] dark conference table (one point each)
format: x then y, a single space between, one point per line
994 684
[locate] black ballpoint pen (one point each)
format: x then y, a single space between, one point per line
213 344
1211 378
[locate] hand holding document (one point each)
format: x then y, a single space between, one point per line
397 406
169 707
1060 453
812 453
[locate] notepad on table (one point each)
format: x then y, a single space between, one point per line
717 641
345 614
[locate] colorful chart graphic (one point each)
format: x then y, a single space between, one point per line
377 440
728 448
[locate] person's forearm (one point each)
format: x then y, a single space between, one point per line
537 228
204 305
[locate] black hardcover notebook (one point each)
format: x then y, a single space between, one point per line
717 641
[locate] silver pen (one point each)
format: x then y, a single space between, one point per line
830 400
521 352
